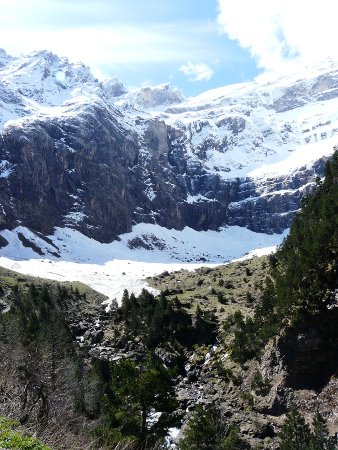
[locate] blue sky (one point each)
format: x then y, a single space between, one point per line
193 44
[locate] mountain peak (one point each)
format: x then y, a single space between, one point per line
43 77
113 87
153 96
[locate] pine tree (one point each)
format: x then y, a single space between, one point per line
135 392
295 433
320 437
208 430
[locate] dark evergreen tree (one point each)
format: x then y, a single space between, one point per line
321 440
157 320
135 393
209 430
246 342
295 433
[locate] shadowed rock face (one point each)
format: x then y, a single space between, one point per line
90 173
74 172
91 156
310 353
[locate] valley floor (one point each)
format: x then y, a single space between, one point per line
111 268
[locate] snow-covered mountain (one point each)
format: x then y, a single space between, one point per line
94 156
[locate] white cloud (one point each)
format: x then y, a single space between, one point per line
197 72
280 33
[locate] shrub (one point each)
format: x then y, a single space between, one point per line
9 438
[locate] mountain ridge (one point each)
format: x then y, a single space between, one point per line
77 152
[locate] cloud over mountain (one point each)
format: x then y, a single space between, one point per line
281 33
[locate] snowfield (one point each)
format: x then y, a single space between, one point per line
111 268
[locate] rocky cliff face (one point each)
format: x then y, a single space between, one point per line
93 156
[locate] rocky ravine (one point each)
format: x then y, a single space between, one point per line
297 367
93 156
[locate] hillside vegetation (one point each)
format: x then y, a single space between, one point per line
240 356
303 272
